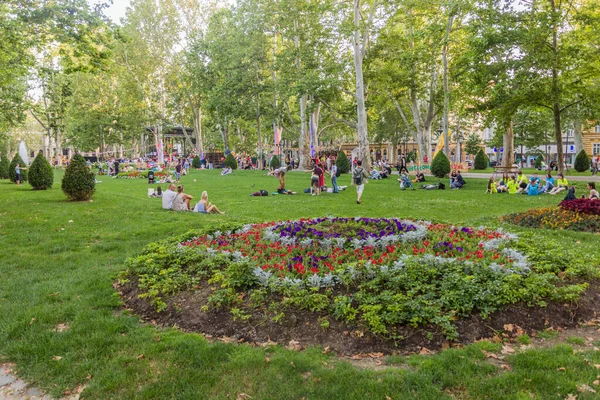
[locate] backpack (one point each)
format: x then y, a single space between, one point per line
337 172
264 192
358 176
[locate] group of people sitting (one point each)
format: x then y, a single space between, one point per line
533 186
176 199
456 180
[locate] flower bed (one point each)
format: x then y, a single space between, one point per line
583 206
139 175
378 273
556 218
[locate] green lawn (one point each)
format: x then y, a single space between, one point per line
60 260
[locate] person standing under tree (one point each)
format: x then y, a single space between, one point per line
402 167
18 174
359 177
334 174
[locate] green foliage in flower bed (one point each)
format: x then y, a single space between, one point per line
379 273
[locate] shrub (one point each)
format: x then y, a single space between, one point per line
582 162
11 169
196 163
481 160
538 162
275 162
440 167
79 182
584 206
230 161
342 163
41 174
4 165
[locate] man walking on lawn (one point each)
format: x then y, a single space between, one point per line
359 178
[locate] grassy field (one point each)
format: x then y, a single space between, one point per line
60 260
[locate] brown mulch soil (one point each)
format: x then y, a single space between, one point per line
185 311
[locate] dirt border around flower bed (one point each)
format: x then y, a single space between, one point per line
303 328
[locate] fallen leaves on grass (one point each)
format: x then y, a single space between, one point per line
294 345
141 356
506 349
562 369
596 382
366 355
425 351
585 388
571 397
243 396
61 328
56 358
491 355
505 367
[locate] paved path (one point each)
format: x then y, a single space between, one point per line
13 388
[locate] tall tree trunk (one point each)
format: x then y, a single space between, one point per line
508 142
224 129
198 130
446 90
259 134
304 139
361 111
578 136
556 95
58 139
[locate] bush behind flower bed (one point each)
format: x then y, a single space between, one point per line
406 274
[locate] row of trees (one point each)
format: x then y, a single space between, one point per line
315 70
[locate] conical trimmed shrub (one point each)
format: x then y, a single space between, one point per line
41 174
582 162
481 160
4 165
342 163
196 163
275 162
440 167
78 183
230 161
11 169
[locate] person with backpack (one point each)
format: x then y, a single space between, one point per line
359 177
334 173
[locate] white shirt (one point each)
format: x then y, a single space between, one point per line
167 199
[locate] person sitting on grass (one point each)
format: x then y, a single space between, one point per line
181 202
512 185
456 180
502 184
168 197
420 177
158 193
533 188
491 186
561 184
281 188
549 184
375 174
405 182
593 192
205 207
522 181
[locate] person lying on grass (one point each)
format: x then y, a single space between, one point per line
205 207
